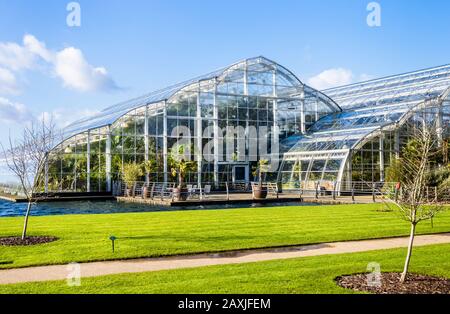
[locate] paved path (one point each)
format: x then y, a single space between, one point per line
60 272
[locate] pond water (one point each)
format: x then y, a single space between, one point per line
10 209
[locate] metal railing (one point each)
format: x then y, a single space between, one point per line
348 191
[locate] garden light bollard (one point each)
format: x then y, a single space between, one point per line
112 238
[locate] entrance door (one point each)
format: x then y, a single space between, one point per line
240 174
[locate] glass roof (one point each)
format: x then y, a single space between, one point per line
417 85
288 85
370 105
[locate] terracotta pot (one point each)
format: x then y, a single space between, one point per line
180 194
260 192
144 192
130 192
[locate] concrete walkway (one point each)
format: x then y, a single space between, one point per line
61 272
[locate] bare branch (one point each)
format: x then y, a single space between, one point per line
26 157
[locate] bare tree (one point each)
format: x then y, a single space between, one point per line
27 157
414 167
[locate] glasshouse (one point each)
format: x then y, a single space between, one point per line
253 110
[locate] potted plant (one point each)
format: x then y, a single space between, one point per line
149 167
131 173
260 191
180 167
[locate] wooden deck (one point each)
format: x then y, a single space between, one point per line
241 198
211 199
245 198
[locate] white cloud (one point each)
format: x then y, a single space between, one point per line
67 64
78 74
8 82
14 112
331 78
336 77
37 47
15 57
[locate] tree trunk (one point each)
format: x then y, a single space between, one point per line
181 181
408 255
25 223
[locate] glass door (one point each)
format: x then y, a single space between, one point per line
240 174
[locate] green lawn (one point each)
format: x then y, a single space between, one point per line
300 275
85 237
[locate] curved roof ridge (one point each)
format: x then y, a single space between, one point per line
156 96
162 91
182 84
351 126
169 90
384 78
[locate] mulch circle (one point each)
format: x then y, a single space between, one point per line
17 241
390 284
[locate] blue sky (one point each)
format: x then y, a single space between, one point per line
127 48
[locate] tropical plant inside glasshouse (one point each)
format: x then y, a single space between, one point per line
180 166
150 166
260 172
131 173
